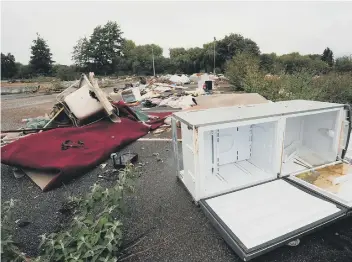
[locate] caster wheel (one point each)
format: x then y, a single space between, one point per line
294 243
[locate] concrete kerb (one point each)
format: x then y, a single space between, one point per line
18 90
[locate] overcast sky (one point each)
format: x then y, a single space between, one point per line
281 27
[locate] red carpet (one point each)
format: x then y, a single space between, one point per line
43 151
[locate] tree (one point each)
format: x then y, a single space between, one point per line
240 68
127 47
41 62
176 52
343 64
294 63
138 60
8 66
163 65
102 50
187 60
81 54
232 45
208 57
328 57
66 73
267 62
195 55
23 71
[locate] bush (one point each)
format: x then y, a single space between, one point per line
9 251
343 64
96 230
23 71
244 74
66 73
242 68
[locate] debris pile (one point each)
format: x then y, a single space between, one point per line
167 91
83 129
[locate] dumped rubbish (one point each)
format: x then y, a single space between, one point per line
252 141
167 121
131 95
140 164
18 173
157 157
226 100
110 174
87 101
22 223
162 129
38 122
159 91
97 126
48 166
120 161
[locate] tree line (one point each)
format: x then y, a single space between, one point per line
107 52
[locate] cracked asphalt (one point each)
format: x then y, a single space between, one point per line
174 228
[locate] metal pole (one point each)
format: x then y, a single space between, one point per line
214 56
153 61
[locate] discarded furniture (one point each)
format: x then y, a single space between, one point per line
131 95
86 100
242 165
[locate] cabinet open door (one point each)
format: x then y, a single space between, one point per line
258 219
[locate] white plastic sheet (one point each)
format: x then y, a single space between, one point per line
182 102
185 79
176 79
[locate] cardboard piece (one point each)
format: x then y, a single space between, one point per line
41 178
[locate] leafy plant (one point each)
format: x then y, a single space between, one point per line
95 233
245 74
9 250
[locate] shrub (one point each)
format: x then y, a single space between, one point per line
66 73
96 230
245 74
242 68
9 251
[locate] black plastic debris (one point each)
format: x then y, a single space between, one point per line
22 223
120 161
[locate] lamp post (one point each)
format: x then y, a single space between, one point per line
214 56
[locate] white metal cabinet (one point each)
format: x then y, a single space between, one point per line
242 162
